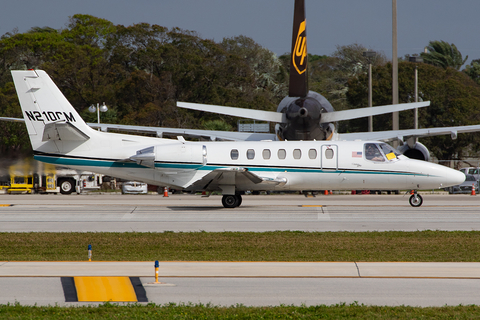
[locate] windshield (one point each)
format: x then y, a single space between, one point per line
373 153
380 152
389 151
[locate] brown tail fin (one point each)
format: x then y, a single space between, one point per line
298 85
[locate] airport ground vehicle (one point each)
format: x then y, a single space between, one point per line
134 187
32 177
475 171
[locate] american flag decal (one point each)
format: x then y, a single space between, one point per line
356 154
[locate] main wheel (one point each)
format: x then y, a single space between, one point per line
229 201
66 186
415 201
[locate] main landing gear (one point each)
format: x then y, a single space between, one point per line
231 200
415 200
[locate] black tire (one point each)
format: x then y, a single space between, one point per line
229 201
415 202
66 186
239 200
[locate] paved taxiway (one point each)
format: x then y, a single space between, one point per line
256 283
154 213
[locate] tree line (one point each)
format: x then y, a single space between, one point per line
140 71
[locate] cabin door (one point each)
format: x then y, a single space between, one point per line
330 157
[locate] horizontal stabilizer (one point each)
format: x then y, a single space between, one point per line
63 131
370 111
270 116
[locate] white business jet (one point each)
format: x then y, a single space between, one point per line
60 136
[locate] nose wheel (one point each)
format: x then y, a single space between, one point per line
231 200
415 200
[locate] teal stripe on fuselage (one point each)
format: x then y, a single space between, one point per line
179 166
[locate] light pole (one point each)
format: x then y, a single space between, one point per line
395 115
98 108
370 55
416 60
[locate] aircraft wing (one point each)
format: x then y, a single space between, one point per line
280 117
403 135
193 133
221 178
161 131
270 116
372 111
12 119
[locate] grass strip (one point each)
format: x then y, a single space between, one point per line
424 246
199 311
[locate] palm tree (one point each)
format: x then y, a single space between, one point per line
443 54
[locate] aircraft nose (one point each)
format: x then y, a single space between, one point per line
453 177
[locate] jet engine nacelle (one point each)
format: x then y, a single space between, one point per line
191 155
303 118
418 151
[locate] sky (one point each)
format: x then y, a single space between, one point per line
330 23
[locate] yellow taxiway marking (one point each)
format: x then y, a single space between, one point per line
104 289
6 205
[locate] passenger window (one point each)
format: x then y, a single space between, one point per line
297 154
312 154
372 152
282 154
266 154
329 153
234 154
250 154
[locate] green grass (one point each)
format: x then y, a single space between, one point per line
199 311
424 246
241 246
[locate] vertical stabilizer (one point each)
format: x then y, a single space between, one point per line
47 113
298 86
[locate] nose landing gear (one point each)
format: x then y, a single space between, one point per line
415 200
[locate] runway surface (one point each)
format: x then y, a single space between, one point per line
155 213
254 284
249 283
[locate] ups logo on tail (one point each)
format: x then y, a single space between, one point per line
299 54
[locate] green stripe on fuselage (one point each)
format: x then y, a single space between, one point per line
63 161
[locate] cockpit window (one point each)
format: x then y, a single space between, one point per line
389 151
373 153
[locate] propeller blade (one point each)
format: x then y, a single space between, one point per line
369 111
270 116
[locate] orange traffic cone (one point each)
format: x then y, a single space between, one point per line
473 189
326 192
165 192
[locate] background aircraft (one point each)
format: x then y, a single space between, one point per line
307 115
